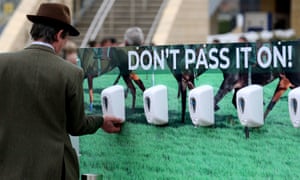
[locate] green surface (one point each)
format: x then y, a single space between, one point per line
182 151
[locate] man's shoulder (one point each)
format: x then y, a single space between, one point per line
10 56
72 70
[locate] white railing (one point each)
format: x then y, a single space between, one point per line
155 22
97 22
288 34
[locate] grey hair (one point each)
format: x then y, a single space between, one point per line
134 36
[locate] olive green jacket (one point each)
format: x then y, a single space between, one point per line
41 103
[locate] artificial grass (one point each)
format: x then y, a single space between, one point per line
183 151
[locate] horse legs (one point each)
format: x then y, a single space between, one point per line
282 86
137 81
187 81
91 94
233 101
227 85
181 91
183 81
140 84
178 78
183 104
131 87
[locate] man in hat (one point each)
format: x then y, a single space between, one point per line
41 103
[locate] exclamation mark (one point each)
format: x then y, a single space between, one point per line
290 63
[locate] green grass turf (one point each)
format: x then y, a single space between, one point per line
183 151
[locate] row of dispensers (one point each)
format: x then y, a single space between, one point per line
249 99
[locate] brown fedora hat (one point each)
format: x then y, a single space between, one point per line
54 15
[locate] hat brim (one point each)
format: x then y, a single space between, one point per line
53 23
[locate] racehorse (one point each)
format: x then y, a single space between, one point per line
289 77
233 78
98 61
185 77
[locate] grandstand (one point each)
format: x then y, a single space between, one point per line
163 21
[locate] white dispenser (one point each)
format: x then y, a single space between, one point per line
156 105
201 105
250 106
113 101
294 106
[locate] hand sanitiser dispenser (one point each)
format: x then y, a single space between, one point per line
250 106
113 101
201 105
294 106
156 105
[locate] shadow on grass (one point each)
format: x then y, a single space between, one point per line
135 115
225 121
221 121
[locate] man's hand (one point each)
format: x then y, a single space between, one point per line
111 124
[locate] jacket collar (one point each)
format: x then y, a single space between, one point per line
41 47
43 44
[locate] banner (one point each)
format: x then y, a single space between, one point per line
145 66
179 148
197 57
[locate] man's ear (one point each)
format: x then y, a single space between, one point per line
60 35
